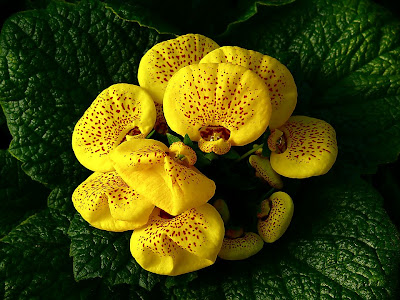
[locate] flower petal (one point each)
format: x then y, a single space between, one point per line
221 206
273 139
186 154
116 112
219 147
219 96
242 247
272 226
185 243
311 148
263 168
161 124
164 59
139 154
167 184
281 86
106 202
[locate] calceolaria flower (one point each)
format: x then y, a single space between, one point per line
216 98
165 175
218 105
175 245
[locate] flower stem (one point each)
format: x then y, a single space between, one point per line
269 193
249 152
150 134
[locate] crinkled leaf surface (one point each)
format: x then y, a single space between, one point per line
198 16
341 244
20 196
350 58
34 262
54 62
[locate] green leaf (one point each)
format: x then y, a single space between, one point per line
232 154
211 156
350 57
187 141
178 17
20 197
34 262
341 244
53 64
99 253
172 139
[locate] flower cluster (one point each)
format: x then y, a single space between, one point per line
218 97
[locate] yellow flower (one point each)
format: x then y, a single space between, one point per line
219 97
166 176
279 82
303 147
275 216
218 105
106 202
264 170
164 59
241 247
119 111
176 245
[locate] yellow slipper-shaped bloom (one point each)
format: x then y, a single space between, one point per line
106 202
264 171
303 147
177 245
166 176
281 86
242 247
119 111
164 59
218 105
275 217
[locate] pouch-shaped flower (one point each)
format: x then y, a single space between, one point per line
303 147
177 245
280 84
106 202
120 110
154 170
218 105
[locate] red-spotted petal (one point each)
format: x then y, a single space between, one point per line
308 148
106 202
281 86
161 124
170 185
264 170
275 217
226 99
241 247
185 243
119 111
164 59
182 154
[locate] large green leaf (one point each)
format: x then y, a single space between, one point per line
34 261
341 244
199 16
20 197
54 62
350 57
34 264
